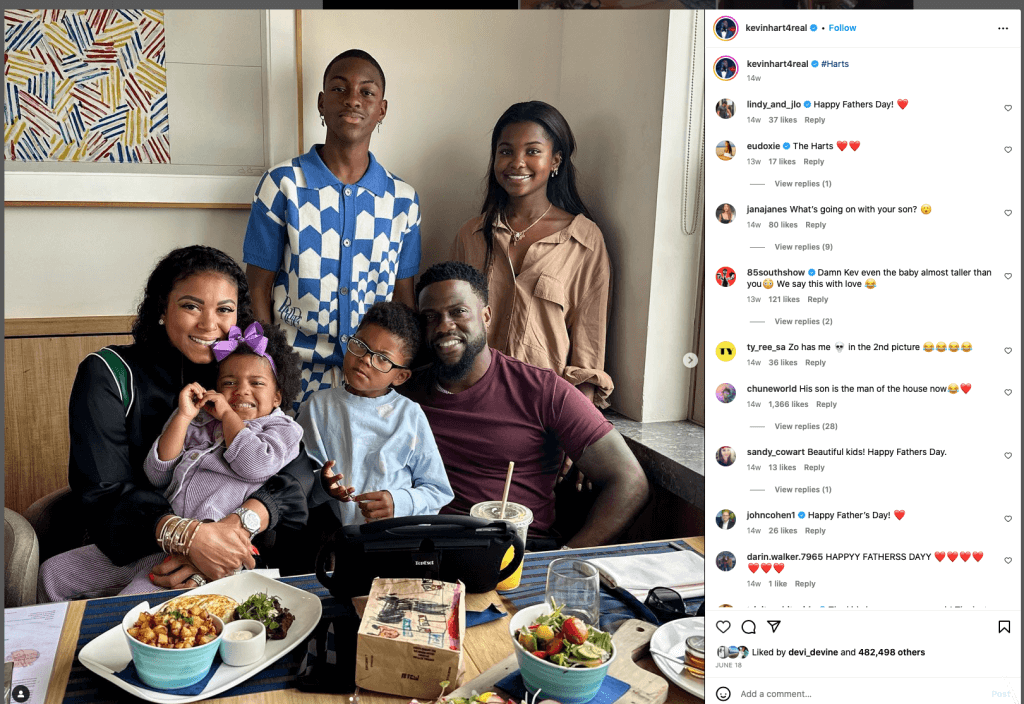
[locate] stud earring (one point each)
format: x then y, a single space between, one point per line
322 123
161 321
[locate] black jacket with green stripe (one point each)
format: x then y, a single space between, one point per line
120 401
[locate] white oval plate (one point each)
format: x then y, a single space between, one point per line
108 652
671 639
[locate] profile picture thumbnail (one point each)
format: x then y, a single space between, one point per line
725 108
726 68
725 150
744 651
726 276
725 456
725 393
725 213
726 28
725 519
725 561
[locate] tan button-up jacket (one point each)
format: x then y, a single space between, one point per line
554 314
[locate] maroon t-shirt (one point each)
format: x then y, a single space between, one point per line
516 413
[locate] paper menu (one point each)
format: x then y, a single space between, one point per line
31 636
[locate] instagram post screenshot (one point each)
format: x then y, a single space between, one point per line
514 354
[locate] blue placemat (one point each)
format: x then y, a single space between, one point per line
131 676
615 608
611 689
477 618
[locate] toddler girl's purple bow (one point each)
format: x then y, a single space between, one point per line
253 338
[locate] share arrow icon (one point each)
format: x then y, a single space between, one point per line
774 625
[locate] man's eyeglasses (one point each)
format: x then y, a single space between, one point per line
378 361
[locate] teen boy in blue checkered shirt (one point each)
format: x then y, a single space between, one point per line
332 232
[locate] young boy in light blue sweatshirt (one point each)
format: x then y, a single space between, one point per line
380 440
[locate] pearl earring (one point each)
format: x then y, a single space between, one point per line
161 321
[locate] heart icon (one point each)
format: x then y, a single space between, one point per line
1008 213
1007 560
1008 275
778 566
899 513
722 626
965 556
854 145
965 387
1007 350
978 555
1008 149
1008 518
753 567
1007 391
766 567
952 555
939 555
1008 108
841 144
1007 455
902 102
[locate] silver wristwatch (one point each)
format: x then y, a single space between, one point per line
250 521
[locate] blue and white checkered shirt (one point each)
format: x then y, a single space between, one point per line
337 249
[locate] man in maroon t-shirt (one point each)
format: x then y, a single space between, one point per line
487 409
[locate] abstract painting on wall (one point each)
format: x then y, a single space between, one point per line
85 85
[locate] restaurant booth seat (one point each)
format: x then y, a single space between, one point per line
57 522
21 560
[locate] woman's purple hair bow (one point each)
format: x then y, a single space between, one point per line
253 337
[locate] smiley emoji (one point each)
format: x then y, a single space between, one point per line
926 209
966 347
940 346
954 346
870 283
928 347
768 283
953 388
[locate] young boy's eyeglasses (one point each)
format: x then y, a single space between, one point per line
378 361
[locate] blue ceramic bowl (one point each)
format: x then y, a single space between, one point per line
568 685
167 668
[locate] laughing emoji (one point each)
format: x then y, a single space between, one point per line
954 346
940 346
928 347
953 388
870 283
966 347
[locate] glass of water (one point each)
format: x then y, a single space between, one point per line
576 584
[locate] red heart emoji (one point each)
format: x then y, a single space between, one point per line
939 555
951 555
854 144
965 387
899 513
978 555
841 144
778 566
766 566
965 556
902 102
753 567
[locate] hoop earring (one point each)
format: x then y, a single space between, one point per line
322 123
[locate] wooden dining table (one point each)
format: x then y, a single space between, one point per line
485 646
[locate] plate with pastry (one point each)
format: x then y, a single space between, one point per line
678 651
109 652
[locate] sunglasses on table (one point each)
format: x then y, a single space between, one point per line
668 605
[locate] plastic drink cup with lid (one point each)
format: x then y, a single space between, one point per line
516 515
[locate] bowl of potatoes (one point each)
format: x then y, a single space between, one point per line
172 649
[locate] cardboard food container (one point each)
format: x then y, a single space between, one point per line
410 638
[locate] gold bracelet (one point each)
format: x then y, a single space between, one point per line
188 548
176 537
169 525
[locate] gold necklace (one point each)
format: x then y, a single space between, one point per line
516 236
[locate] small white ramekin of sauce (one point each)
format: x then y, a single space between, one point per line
243 643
